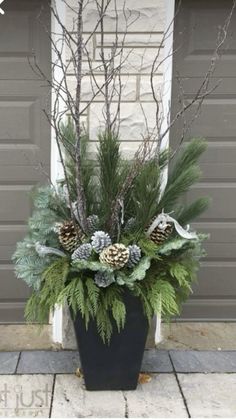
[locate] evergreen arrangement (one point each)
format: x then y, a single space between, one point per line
135 237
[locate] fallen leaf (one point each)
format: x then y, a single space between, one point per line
144 378
79 373
170 337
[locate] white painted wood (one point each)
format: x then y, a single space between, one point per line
56 167
167 83
168 67
56 170
57 74
57 325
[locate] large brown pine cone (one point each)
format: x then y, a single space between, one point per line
70 235
158 236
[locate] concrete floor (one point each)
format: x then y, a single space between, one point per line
199 336
165 396
181 384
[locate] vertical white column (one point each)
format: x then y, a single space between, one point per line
56 168
167 83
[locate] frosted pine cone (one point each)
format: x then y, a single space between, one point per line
103 279
70 235
100 240
116 256
83 252
134 255
92 222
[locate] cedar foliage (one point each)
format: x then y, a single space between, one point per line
161 286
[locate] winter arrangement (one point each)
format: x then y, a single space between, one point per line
135 237
113 239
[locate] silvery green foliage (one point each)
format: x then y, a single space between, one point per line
93 222
134 255
104 279
82 252
100 240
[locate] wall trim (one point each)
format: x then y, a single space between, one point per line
56 169
168 66
167 83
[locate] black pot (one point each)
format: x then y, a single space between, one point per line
115 366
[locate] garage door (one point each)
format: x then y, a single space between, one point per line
24 135
195 34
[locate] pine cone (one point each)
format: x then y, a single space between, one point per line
70 235
134 255
92 222
116 256
159 235
100 240
103 279
83 252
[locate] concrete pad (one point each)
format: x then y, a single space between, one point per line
71 400
204 361
25 396
160 398
48 362
185 335
18 337
211 395
8 362
199 336
156 361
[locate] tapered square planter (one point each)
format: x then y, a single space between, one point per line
115 366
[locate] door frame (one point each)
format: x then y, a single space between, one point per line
56 169
167 91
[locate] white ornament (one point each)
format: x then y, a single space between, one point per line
44 250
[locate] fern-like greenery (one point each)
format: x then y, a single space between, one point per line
105 307
162 281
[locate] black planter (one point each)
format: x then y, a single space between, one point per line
115 366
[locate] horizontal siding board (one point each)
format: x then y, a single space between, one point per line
221 280
12 289
209 310
221 194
